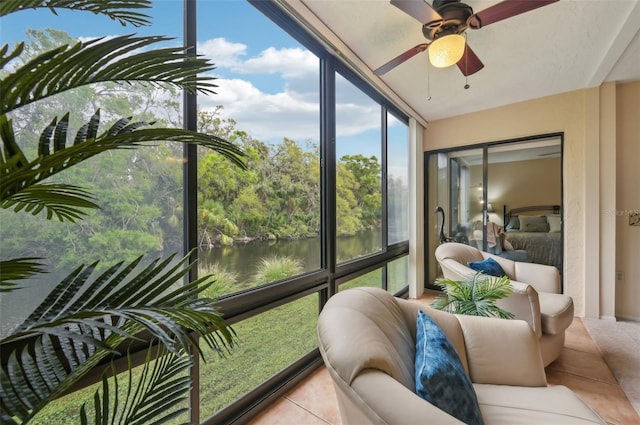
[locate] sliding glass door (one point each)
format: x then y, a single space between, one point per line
477 195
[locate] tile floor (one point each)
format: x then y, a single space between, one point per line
580 367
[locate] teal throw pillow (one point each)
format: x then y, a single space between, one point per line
488 266
440 375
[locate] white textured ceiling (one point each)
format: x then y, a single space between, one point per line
565 46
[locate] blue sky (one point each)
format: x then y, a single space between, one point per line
267 81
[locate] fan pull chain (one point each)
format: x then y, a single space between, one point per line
466 64
428 81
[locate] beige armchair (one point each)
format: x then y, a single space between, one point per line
536 296
367 339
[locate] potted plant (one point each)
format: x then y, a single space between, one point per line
475 295
94 314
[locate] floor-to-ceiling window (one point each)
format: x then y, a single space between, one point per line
323 201
139 191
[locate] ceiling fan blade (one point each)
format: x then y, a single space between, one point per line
402 58
503 10
469 63
419 10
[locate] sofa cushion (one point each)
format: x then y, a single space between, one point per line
512 405
440 377
488 266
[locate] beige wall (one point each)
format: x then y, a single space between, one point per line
519 184
585 118
627 300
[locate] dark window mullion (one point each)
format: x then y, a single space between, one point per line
190 191
328 168
384 177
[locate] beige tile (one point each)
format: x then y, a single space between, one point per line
608 400
317 396
577 337
585 364
427 297
285 412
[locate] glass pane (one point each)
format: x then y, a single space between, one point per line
372 279
398 179
269 342
454 201
261 224
358 172
139 190
525 180
398 275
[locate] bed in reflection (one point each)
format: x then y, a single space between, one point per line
537 230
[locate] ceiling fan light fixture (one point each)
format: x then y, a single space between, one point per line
446 50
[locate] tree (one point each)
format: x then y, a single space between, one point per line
140 189
366 172
347 210
94 318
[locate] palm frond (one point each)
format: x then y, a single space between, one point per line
62 201
120 11
5 56
152 398
122 302
121 58
18 174
475 295
89 319
18 269
12 156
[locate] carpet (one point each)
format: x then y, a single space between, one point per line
619 344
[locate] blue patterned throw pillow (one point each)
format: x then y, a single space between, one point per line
440 376
488 266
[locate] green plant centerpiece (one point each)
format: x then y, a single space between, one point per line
475 295
95 314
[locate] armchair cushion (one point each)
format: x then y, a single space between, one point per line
440 377
556 312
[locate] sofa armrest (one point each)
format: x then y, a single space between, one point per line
524 304
394 404
542 277
502 352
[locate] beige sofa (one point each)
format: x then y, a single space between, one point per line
367 339
536 296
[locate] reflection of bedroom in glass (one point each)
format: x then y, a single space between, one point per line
526 177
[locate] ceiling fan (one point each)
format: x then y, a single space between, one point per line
443 24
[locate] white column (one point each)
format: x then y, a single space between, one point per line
416 210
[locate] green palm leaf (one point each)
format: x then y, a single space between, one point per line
16 270
89 319
154 397
64 202
475 295
18 173
118 11
121 58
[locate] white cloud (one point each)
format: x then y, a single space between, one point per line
265 116
289 110
291 63
223 53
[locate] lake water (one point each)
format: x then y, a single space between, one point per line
240 259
